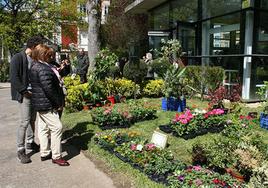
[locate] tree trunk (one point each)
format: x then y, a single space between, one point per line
93 30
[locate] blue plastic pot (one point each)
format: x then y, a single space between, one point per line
264 121
172 104
164 104
181 105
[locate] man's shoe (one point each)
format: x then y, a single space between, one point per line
33 146
60 162
23 158
49 156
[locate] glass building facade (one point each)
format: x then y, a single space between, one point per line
228 33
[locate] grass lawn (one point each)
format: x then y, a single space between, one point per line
80 130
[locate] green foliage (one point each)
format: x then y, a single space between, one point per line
127 88
120 28
160 66
262 91
105 60
121 116
4 71
18 23
260 177
197 176
135 71
203 78
154 88
171 50
77 94
174 85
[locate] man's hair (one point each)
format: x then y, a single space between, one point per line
34 41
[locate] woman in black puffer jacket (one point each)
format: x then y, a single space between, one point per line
47 100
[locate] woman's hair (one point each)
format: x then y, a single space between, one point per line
43 53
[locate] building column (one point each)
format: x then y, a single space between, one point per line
205 46
247 51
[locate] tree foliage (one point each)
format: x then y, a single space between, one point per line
21 19
122 28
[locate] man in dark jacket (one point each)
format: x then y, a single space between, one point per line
21 92
83 64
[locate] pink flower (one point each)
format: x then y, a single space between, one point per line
184 121
133 147
197 168
150 146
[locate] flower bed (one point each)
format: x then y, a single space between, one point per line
196 176
159 164
115 116
188 125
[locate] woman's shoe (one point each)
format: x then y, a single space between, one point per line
60 162
49 156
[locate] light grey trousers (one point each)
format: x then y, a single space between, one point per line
27 117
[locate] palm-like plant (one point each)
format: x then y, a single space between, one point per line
174 85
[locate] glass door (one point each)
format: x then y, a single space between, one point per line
187 36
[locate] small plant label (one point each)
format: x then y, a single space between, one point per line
159 139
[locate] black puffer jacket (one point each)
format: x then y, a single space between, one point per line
47 93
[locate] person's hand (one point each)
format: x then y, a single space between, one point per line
27 94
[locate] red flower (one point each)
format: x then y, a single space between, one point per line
206 116
241 117
216 181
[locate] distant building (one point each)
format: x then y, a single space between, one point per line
70 33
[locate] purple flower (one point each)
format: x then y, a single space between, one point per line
181 178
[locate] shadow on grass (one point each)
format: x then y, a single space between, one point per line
79 137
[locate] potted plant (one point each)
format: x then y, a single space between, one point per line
173 89
262 92
110 90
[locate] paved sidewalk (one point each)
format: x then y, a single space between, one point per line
4 85
81 173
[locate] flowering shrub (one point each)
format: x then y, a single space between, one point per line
216 97
183 118
159 164
115 116
111 116
196 176
198 123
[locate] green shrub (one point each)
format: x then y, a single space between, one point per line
105 60
154 88
76 96
135 71
126 88
160 66
203 78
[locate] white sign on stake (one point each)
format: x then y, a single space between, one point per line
159 139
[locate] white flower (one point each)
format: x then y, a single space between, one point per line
139 147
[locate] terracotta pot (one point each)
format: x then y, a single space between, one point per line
111 99
85 107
